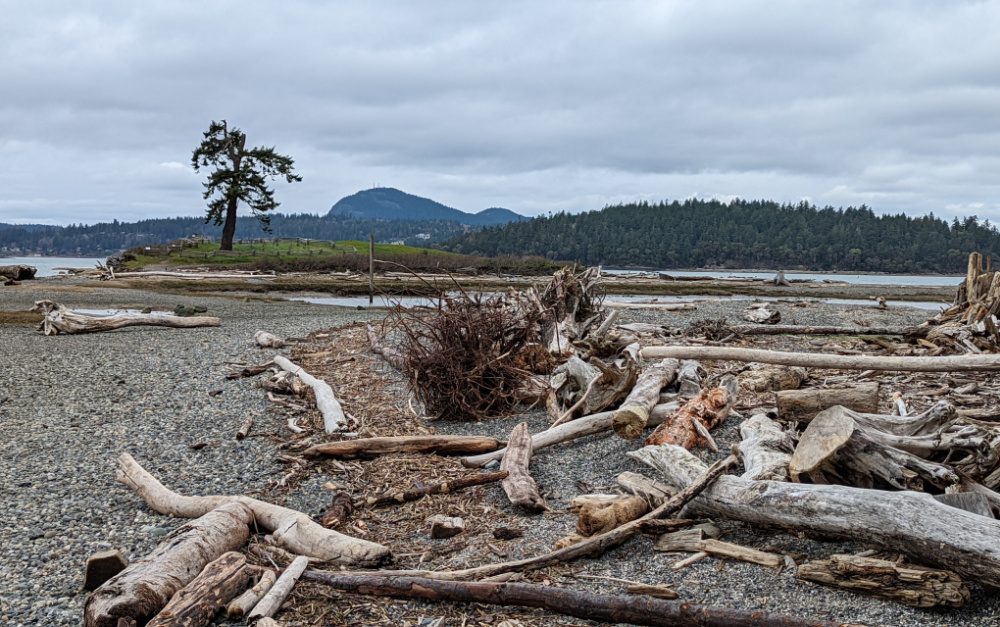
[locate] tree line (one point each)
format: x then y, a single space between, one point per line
741 234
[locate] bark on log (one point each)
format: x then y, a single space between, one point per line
634 610
293 530
912 523
520 488
904 583
268 340
242 605
948 363
579 428
59 319
802 405
333 414
629 420
272 601
766 449
445 487
708 408
199 601
373 447
144 588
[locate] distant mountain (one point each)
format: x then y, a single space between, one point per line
387 203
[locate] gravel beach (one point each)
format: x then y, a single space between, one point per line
69 405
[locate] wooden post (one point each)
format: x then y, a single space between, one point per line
371 268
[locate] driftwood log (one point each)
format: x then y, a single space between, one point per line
947 363
633 610
20 272
140 591
689 427
268 340
794 329
694 541
629 420
373 447
445 487
242 605
520 488
654 492
59 319
199 601
912 523
292 530
326 401
904 583
766 448
271 603
689 378
802 405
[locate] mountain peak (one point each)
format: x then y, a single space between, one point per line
388 203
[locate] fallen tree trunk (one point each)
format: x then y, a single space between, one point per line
292 530
198 603
634 610
445 487
766 449
373 447
706 410
333 414
271 603
912 523
140 591
795 329
948 363
579 428
20 272
802 405
59 319
629 420
520 488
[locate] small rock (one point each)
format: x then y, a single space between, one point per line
48 535
102 566
446 526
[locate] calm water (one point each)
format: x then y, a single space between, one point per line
857 279
46 265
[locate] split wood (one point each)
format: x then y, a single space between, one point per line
634 610
947 363
372 447
59 319
293 530
333 414
694 541
445 487
200 600
241 606
706 410
271 603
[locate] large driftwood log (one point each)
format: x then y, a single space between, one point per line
199 601
373 447
445 487
521 489
794 329
140 591
629 420
333 414
654 492
802 405
948 363
271 603
59 319
292 530
579 428
633 610
242 605
766 449
706 410
773 378
912 523
20 272
905 583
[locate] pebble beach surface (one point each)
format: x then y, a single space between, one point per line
69 405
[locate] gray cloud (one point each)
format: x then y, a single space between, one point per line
532 106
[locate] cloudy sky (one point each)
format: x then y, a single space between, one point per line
533 106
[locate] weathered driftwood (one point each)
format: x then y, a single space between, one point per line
772 378
333 414
520 488
621 304
293 530
391 355
271 603
596 518
634 610
947 363
762 314
794 329
446 526
144 588
802 405
766 448
914 585
708 409
373 447
660 592
654 492
694 541
581 427
59 319
629 420
19 272
969 501
445 487
689 378
200 600
908 522
242 605
268 340
607 384
245 427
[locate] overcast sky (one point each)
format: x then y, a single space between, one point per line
533 106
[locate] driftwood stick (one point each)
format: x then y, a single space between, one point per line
521 489
794 329
59 319
199 601
293 530
242 605
634 610
333 414
245 428
444 487
272 601
373 447
630 419
948 363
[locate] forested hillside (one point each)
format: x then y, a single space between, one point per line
388 203
743 234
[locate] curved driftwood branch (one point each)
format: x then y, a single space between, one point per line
333 414
948 363
59 319
292 530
